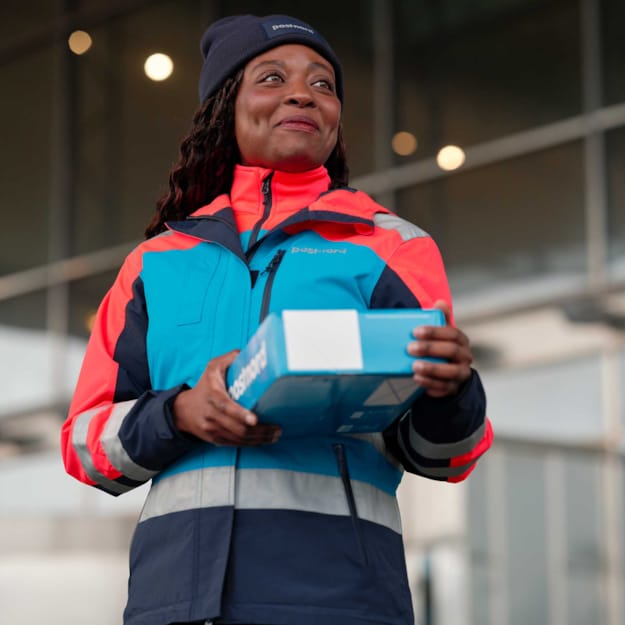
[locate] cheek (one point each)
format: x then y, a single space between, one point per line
333 118
334 134
244 128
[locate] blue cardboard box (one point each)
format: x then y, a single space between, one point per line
327 371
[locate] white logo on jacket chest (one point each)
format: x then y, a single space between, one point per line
315 250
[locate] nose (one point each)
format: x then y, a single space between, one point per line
300 95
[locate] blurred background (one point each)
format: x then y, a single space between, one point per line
496 125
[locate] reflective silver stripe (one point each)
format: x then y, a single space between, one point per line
114 449
268 489
434 471
405 229
202 488
275 489
442 451
79 442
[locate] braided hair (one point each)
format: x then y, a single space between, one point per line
208 155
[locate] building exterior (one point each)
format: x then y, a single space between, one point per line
531 225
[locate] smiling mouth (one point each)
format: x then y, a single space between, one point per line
303 124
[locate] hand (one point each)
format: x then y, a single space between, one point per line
441 379
208 412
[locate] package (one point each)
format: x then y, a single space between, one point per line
326 371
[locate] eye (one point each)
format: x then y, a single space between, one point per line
271 77
324 84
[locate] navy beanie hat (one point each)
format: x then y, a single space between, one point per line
231 42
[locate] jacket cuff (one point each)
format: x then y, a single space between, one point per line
450 419
148 433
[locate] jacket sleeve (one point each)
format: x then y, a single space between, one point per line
438 438
120 432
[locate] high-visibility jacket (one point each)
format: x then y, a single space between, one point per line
299 532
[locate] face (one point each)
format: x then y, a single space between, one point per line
287 112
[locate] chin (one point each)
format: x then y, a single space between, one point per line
297 161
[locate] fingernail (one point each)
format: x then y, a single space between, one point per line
250 418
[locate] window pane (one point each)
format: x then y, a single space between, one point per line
559 401
480 562
518 219
24 353
615 148
526 561
622 390
613 50
467 72
583 535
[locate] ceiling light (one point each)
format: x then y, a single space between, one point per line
79 42
404 143
158 67
450 157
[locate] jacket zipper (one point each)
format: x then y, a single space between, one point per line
267 201
270 270
341 461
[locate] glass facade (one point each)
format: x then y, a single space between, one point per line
615 166
26 168
613 14
531 227
506 222
467 72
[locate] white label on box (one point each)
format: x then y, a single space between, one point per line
326 340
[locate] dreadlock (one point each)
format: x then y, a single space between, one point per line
208 155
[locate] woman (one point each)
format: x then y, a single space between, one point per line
241 525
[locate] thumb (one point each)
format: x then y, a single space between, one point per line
219 365
443 306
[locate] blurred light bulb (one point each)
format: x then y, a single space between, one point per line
450 157
79 42
158 67
404 143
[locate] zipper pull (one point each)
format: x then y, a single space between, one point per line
266 187
274 262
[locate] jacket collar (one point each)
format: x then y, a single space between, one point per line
296 198
251 185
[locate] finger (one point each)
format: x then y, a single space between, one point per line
261 435
441 371
236 423
440 390
222 403
441 333
437 387
447 350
